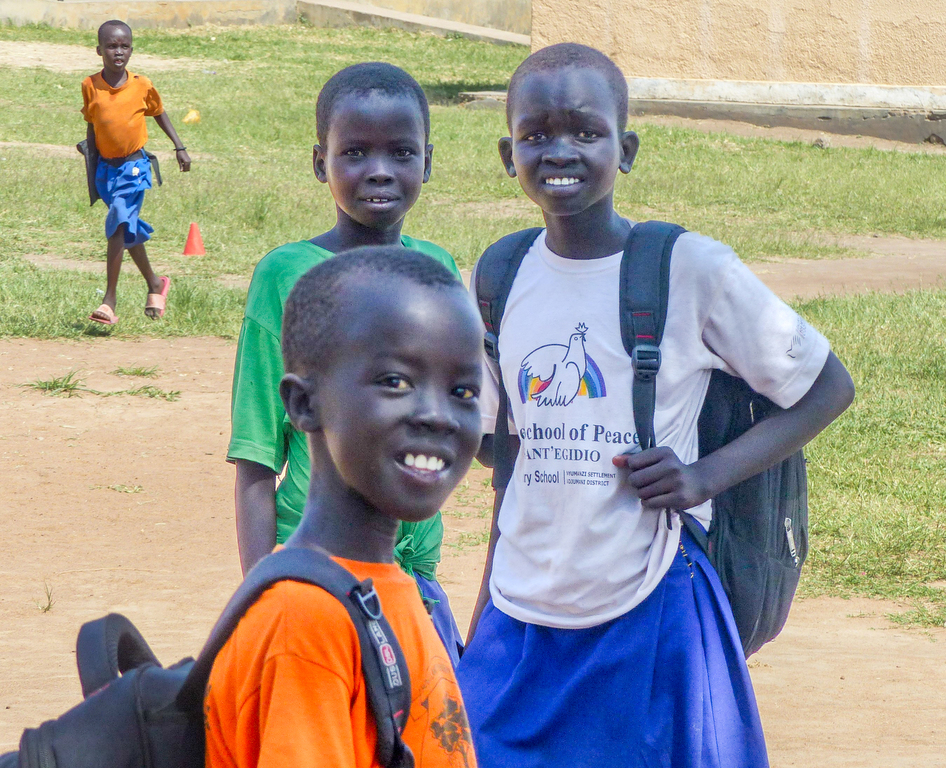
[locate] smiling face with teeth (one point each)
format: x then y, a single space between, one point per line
375 158
567 143
396 414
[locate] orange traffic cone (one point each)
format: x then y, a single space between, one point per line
195 243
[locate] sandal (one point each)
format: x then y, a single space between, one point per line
158 301
110 318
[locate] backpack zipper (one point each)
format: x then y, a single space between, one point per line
790 535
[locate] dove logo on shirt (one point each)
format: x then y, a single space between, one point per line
555 374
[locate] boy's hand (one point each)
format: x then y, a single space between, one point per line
661 480
183 160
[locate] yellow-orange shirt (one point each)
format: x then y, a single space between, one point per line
287 691
118 114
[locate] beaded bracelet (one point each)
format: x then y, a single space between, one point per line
179 149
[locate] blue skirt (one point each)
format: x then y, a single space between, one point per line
664 685
442 617
122 189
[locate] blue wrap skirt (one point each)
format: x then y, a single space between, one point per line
665 684
442 616
122 189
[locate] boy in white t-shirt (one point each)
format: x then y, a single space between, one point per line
602 635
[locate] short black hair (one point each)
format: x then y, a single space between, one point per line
103 30
310 321
362 79
563 55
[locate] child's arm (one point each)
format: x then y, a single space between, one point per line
164 123
664 482
255 496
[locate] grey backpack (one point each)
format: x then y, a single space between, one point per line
758 539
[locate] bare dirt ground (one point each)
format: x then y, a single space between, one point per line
125 504
76 58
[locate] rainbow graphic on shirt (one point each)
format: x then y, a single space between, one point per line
591 385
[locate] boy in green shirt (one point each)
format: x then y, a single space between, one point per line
373 128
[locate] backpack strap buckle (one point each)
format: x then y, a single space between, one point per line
645 360
491 344
367 599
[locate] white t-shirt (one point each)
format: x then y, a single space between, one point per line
576 549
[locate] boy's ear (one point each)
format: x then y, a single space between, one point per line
300 400
98 50
630 143
428 161
318 163
505 154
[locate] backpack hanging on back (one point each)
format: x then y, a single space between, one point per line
758 538
136 714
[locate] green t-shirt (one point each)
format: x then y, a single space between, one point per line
261 431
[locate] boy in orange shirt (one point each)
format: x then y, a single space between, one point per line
381 348
115 103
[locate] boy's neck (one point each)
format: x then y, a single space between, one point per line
596 232
347 528
114 79
348 233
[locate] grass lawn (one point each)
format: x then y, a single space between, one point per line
252 188
878 490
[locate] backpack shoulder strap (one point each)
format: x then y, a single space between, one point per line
644 291
494 275
385 668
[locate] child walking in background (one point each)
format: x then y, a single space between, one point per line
382 368
373 151
115 103
602 635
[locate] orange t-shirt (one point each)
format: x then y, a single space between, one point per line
287 689
118 114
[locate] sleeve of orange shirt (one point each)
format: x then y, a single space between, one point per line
153 105
86 98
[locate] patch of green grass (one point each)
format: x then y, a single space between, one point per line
149 390
877 486
119 488
71 385
139 371
68 385
46 604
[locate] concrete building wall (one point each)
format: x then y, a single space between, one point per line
880 42
88 14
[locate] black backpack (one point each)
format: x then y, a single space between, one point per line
136 714
758 538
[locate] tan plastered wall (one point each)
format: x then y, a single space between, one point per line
883 42
508 15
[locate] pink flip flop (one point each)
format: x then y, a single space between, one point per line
158 301
104 309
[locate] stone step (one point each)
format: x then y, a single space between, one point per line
340 13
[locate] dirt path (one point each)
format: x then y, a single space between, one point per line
77 58
888 264
125 504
